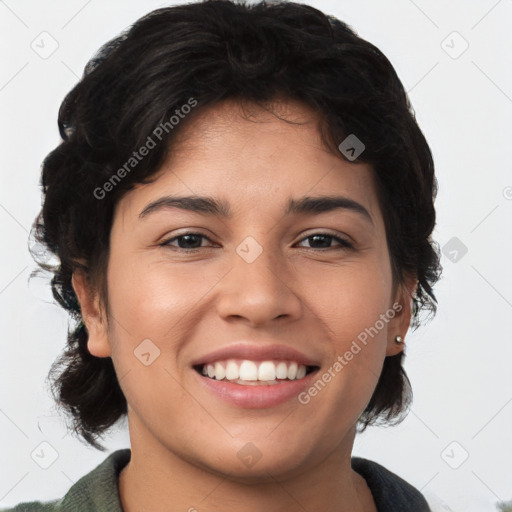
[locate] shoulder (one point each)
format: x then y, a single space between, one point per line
34 506
97 491
390 492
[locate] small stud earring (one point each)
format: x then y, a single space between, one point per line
399 340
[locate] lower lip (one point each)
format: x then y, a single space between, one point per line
256 396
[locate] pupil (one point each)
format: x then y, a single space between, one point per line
322 238
189 241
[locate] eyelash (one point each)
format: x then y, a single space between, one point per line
343 243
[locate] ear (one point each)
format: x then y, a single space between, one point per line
399 324
92 314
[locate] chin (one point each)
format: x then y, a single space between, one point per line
258 462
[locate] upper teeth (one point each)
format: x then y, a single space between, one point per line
254 370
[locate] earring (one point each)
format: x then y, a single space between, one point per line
399 340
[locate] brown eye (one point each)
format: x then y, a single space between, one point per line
186 241
325 240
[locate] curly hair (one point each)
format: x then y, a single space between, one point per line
211 51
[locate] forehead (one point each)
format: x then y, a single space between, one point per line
255 156
236 130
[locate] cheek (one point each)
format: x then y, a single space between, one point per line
350 304
152 310
349 298
155 308
152 299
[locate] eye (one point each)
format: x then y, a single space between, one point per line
193 241
324 241
186 241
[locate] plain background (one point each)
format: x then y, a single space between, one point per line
456 443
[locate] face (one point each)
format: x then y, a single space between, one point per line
278 260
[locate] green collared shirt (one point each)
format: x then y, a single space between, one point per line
95 492
98 491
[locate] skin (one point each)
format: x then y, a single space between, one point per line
184 439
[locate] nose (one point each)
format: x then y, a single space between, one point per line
258 293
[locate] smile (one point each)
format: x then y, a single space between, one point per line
247 372
255 384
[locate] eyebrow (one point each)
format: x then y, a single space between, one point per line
211 206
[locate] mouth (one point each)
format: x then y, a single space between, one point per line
246 372
255 376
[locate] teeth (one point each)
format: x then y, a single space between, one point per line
251 371
248 371
232 371
220 373
292 371
281 371
267 371
301 372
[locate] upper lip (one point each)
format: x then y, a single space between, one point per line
256 353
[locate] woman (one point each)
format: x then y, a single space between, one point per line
242 207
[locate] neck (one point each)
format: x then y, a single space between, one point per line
157 479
